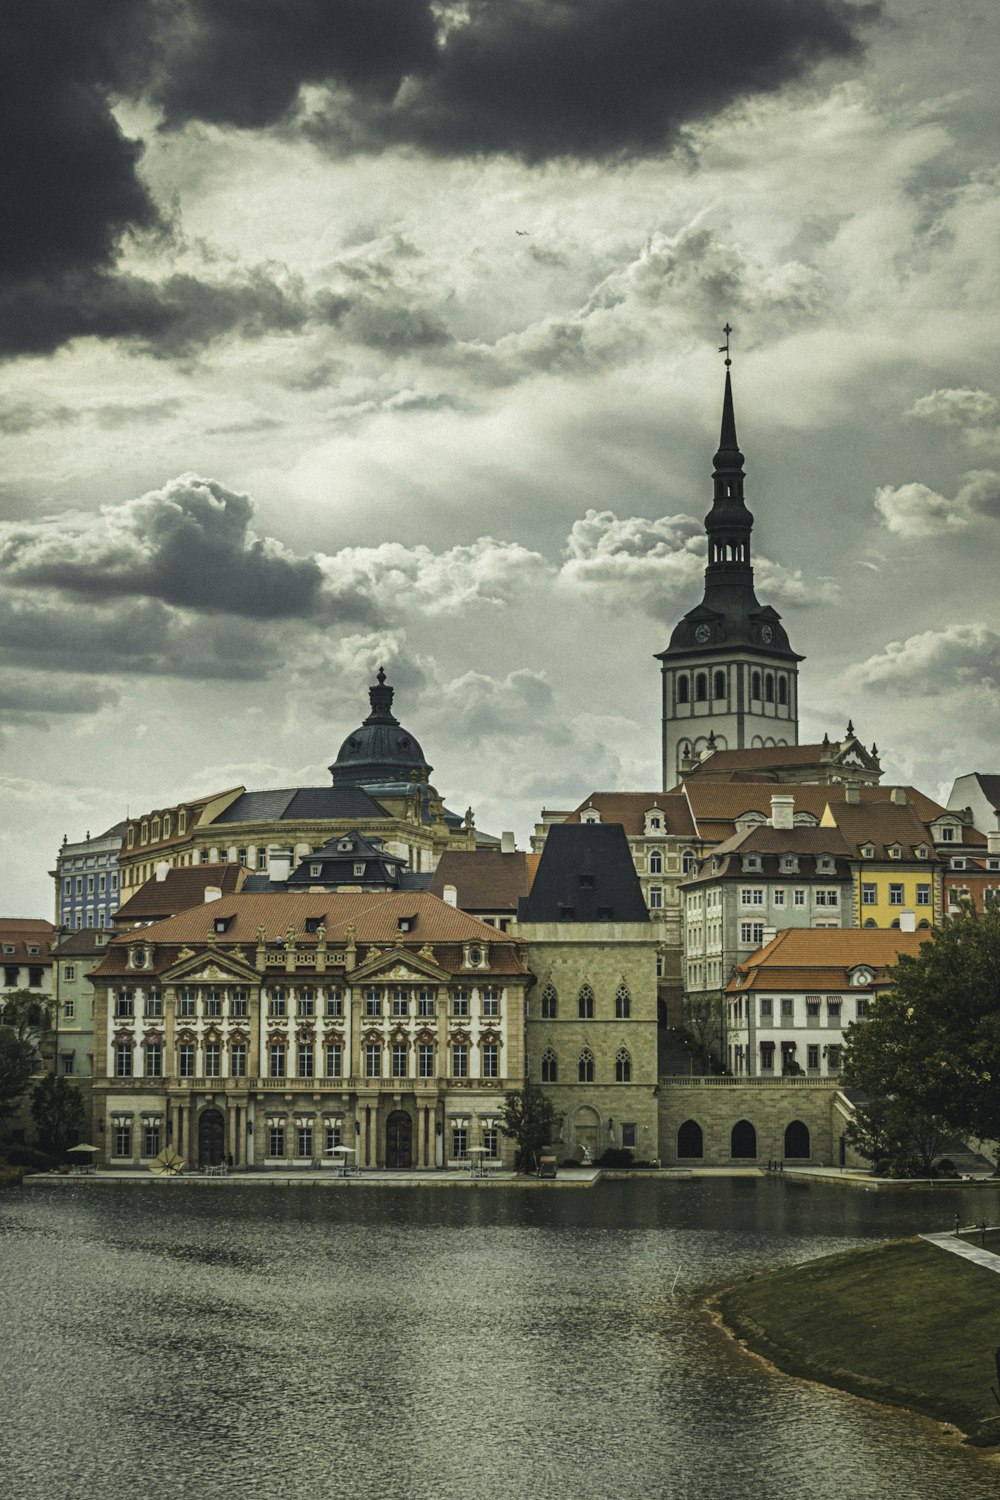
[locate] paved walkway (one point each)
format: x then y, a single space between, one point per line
366 1177
949 1240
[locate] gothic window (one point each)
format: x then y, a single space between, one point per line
719 685
623 1002
586 1066
701 687
586 1003
550 1066
743 1141
683 690
690 1141
755 684
783 691
769 688
623 1066
550 1003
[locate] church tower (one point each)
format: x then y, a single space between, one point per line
730 678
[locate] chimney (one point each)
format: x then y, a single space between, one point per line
897 794
852 792
213 893
279 864
783 811
507 843
907 921
450 896
993 841
163 869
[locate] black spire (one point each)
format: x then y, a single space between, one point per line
728 523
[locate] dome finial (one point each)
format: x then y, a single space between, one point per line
380 676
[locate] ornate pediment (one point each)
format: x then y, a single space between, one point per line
210 968
391 968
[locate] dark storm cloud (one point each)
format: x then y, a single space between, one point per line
188 544
243 62
30 700
134 638
595 79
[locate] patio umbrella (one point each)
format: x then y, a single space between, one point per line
167 1164
83 1147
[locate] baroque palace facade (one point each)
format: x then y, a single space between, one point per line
273 1029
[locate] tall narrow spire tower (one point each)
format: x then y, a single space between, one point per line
730 678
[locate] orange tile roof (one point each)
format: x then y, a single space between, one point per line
630 808
19 932
486 879
881 824
715 804
182 887
374 915
809 958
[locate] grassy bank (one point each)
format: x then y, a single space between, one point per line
904 1323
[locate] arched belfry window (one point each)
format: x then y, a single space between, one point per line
719 685
683 689
586 1003
783 691
769 688
550 1066
623 1002
623 1066
755 684
586 1066
701 687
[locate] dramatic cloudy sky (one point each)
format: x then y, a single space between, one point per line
339 332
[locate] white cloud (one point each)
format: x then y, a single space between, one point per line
914 510
395 577
936 662
956 408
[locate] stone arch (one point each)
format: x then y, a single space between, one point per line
586 1126
743 1141
690 1141
797 1146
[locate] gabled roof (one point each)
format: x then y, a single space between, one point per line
20 933
84 942
182 887
716 804
821 958
486 879
585 874
630 809
771 844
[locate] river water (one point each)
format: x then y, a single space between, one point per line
230 1340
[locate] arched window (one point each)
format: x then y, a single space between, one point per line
623 1002
797 1140
688 861
783 691
623 1066
586 1066
683 690
550 1066
755 684
550 1003
769 687
656 863
719 685
690 1141
701 687
743 1141
586 1003
871 922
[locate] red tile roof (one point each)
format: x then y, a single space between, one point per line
820 958
180 889
485 879
630 809
21 932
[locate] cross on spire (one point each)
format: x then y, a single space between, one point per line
724 348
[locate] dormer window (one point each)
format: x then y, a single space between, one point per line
751 862
895 851
824 863
790 862
476 956
137 958
33 950
167 825
345 846
861 976
359 867
182 821
921 851
155 830
868 851
958 863
993 863
947 834
590 815
315 870
223 924
144 832
654 820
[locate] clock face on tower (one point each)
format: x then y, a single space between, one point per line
765 634
702 633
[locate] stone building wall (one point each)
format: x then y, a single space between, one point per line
770 1106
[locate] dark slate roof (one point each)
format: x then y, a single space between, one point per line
301 803
991 788
585 874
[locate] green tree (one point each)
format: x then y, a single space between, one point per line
18 1061
28 1014
898 1140
527 1119
57 1110
931 1044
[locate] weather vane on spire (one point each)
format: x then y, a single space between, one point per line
724 348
